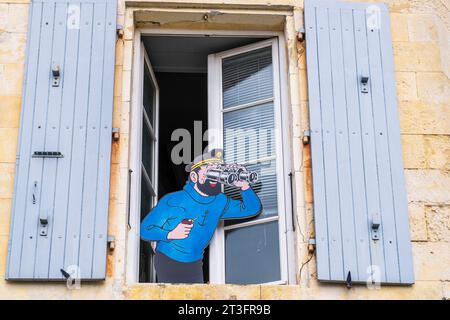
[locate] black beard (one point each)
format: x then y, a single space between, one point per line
209 190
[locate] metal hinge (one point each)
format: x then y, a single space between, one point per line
311 245
111 242
301 34
116 134
306 137
119 31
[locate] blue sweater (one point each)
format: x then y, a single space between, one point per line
206 210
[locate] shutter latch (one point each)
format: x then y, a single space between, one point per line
376 222
56 73
43 222
364 84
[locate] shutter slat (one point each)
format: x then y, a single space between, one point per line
79 136
329 146
367 134
355 145
38 129
23 192
51 143
104 165
320 220
345 210
388 223
66 132
92 143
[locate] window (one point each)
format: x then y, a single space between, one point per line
246 111
242 251
148 161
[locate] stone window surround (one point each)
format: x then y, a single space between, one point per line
281 18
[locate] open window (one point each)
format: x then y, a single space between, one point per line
149 160
244 111
193 87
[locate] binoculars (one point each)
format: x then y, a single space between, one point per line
229 174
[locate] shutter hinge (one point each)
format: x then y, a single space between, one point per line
306 137
311 245
301 34
111 242
116 134
119 31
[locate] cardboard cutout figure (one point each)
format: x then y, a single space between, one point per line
183 222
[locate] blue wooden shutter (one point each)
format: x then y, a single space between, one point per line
357 166
59 216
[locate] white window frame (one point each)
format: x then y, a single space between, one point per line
215 120
139 118
287 254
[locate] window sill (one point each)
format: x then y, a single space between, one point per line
163 291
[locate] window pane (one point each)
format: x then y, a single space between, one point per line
252 254
148 95
146 273
249 133
265 188
247 77
146 198
147 150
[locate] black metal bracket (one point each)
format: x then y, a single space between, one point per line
348 282
47 154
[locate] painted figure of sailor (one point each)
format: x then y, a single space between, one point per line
183 222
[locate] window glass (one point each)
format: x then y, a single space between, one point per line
252 254
247 77
148 95
147 149
146 272
249 133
